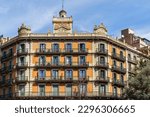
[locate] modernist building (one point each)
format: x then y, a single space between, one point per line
64 64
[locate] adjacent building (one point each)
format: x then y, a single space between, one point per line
64 64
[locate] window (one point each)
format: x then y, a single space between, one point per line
22 61
102 60
42 60
55 74
114 63
114 51
82 74
102 47
21 90
129 66
121 66
68 60
102 74
69 47
10 65
114 77
122 79
41 74
102 89
41 90
82 60
55 47
82 47
129 56
22 47
4 54
121 54
69 74
42 47
22 75
55 60
134 58
9 91
82 89
3 79
10 51
3 92
68 90
55 90
115 91
10 78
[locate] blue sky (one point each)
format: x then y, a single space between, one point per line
115 14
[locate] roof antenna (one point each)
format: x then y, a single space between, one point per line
62 4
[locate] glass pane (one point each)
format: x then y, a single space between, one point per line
55 90
68 90
42 90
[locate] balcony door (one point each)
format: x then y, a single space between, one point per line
102 60
21 90
82 89
41 90
55 74
42 47
22 61
102 89
82 47
55 60
21 75
102 74
68 90
68 60
55 47
82 60
69 74
68 47
115 91
42 60
82 74
55 90
101 47
22 48
42 74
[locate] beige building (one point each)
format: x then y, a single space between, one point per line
64 64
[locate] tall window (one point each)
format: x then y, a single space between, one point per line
102 60
55 74
68 47
82 47
68 60
22 60
11 51
102 47
3 79
102 74
115 91
129 56
69 73
121 54
22 75
42 60
82 60
114 51
55 60
4 92
68 90
42 73
42 47
21 90
9 91
134 57
102 89
55 47
22 47
55 90
4 54
115 77
82 89
41 90
82 74
121 66
121 79
114 63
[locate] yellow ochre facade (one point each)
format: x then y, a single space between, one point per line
64 64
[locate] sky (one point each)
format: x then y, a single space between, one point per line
38 14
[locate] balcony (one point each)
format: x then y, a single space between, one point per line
22 65
64 65
75 51
7 56
101 65
118 57
21 79
22 52
101 80
48 51
118 69
130 60
61 79
101 51
118 83
67 95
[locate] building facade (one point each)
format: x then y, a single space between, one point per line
64 64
